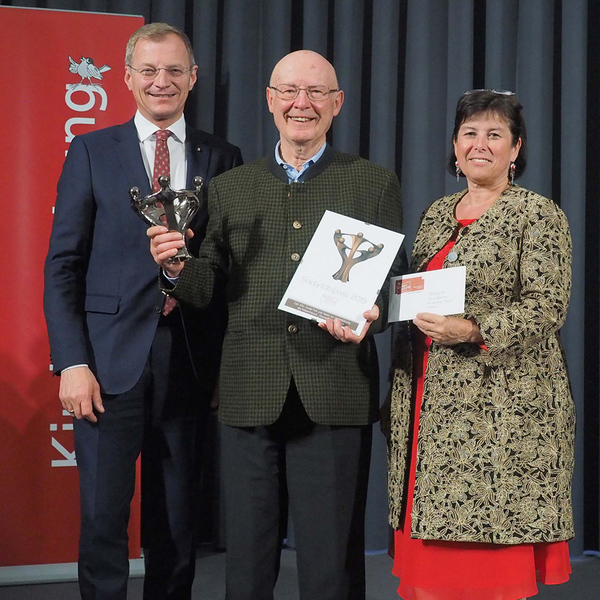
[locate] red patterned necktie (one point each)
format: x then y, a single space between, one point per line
162 161
162 166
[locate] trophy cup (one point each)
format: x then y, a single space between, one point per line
174 209
352 255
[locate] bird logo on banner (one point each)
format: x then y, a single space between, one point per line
86 69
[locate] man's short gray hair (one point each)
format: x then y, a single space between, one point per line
157 32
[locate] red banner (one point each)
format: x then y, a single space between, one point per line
66 72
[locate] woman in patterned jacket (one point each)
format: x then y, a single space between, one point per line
482 418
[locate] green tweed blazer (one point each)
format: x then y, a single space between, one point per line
259 227
497 426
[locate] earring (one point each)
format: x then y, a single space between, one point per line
511 173
458 171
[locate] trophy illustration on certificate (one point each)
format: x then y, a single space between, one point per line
314 293
352 255
174 209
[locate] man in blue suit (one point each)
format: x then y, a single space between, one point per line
136 377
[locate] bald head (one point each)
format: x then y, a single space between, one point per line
310 64
304 98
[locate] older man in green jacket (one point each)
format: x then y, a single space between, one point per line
297 399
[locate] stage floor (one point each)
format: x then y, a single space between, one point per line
381 584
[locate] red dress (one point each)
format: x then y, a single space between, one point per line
436 570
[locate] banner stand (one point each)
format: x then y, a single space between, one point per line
73 84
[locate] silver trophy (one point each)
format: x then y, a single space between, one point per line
170 208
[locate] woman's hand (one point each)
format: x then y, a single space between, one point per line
448 330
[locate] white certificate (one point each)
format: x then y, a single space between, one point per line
441 292
342 271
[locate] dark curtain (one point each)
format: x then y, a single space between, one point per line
403 64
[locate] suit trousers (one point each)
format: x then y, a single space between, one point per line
160 418
320 472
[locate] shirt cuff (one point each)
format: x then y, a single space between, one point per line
73 367
172 280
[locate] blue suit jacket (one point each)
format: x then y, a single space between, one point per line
101 298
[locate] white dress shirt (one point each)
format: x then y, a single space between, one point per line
176 144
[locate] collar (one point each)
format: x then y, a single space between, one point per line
326 154
295 175
146 128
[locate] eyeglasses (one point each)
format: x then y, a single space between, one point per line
150 73
316 93
499 92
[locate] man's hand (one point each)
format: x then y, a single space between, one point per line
79 393
448 330
164 245
345 334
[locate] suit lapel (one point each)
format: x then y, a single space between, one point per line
127 148
198 157
198 163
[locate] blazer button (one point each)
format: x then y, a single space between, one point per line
293 329
295 257
297 225
157 309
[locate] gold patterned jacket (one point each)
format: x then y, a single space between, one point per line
497 426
